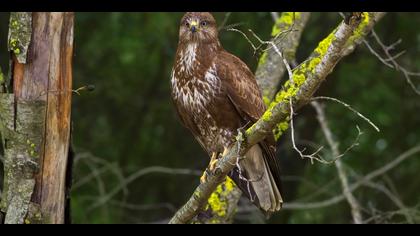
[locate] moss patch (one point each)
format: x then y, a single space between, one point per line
218 202
284 22
20 30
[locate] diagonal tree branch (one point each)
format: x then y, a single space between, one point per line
307 77
366 178
286 32
354 204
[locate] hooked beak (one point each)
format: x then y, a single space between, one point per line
194 26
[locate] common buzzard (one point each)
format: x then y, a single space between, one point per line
215 94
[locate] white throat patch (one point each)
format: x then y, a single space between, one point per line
188 57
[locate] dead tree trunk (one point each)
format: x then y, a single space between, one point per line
35 118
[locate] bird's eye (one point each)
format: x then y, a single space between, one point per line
203 23
187 24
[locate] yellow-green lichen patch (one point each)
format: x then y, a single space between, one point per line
1 77
360 31
266 100
267 115
284 22
31 148
263 59
280 128
325 44
290 89
250 129
218 201
197 194
20 30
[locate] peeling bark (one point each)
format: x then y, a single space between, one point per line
22 130
35 119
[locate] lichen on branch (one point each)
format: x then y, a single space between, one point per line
20 31
286 34
306 80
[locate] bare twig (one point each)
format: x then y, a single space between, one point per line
383 60
393 198
143 207
277 112
140 173
100 184
287 41
225 20
111 166
277 50
383 217
315 156
348 107
354 204
274 61
86 179
378 172
370 176
312 156
275 16
386 49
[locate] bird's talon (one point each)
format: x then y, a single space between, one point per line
205 175
213 163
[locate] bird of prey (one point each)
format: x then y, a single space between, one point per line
215 94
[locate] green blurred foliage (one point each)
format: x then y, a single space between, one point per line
128 123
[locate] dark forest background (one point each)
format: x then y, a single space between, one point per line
128 124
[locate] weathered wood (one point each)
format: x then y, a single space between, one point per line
44 77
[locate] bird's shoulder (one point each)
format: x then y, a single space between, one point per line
240 85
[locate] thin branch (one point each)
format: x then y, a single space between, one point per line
286 37
225 20
383 60
278 111
354 204
100 184
386 49
315 156
231 197
143 207
275 16
370 176
279 53
111 166
392 197
348 107
382 217
312 156
140 173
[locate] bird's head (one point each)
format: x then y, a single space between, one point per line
198 27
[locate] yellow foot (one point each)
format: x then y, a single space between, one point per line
213 161
203 177
225 152
215 158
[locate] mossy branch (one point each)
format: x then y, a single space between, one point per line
286 34
307 78
20 31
